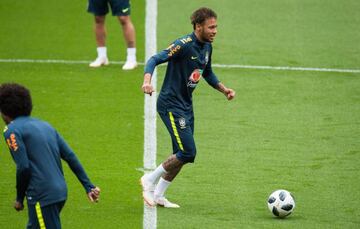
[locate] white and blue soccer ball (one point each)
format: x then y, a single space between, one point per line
281 203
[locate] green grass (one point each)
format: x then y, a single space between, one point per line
293 130
286 129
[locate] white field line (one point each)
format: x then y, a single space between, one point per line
231 66
150 213
286 68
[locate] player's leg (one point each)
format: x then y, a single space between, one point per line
173 166
149 180
156 183
51 215
184 151
122 9
99 8
44 217
33 221
129 36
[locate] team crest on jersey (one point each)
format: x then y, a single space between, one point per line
206 57
11 142
182 123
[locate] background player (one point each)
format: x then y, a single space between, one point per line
37 150
121 9
189 59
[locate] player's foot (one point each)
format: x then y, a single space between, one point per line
99 62
148 191
163 202
129 65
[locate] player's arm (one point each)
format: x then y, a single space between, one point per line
175 50
23 173
69 156
212 80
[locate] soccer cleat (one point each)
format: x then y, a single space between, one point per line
148 191
99 62
129 65
163 202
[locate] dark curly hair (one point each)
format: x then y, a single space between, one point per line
201 14
15 100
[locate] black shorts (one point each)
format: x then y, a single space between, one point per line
47 216
180 125
101 7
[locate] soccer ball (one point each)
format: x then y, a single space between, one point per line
281 203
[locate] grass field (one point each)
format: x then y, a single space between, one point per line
296 130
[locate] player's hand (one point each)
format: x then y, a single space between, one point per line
229 93
94 194
18 206
147 88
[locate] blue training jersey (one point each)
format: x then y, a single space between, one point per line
37 150
185 56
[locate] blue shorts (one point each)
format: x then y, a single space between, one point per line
48 216
181 129
101 7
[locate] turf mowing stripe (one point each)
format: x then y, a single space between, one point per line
232 66
150 213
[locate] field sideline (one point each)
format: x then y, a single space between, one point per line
285 68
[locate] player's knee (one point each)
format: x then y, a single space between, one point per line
124 20
100 20
187 156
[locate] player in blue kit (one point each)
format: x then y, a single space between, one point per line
189 60
37 149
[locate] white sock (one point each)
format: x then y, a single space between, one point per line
156 174
131 54
101 51
161 187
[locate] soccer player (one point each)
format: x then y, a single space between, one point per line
37 148
120 9
189 60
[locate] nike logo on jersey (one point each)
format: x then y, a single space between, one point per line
125 10
194 57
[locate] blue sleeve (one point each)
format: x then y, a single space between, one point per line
69 156
209 75
175 50
18 152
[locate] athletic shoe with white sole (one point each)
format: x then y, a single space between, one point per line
162 201
129 65
148 191
99 62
